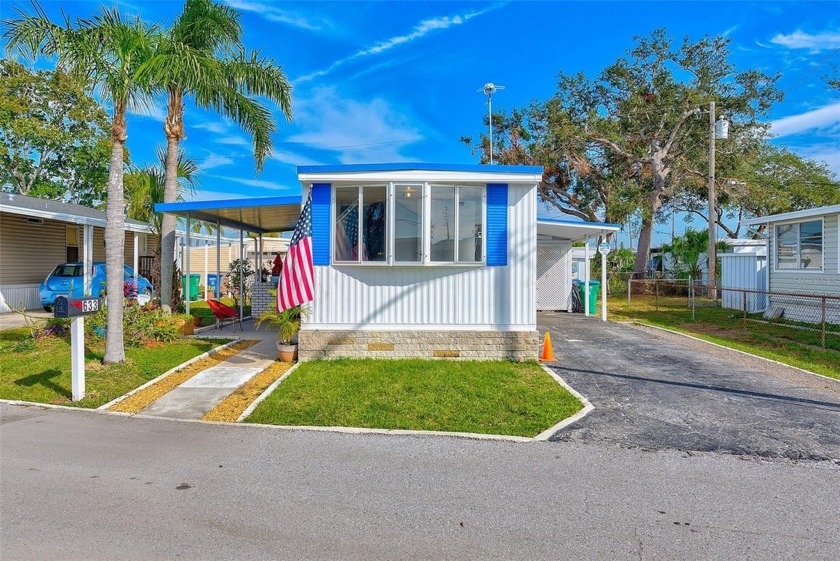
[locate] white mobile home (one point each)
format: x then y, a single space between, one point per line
804 255
423 260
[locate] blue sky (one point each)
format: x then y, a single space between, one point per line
396 81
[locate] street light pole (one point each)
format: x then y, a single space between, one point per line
712 227
489 89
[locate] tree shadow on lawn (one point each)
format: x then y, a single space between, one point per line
44 379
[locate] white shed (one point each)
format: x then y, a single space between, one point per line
743 280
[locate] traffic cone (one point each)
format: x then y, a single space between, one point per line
547 354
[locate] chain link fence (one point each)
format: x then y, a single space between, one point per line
811 320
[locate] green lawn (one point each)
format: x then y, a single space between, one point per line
39 370
726 327
490 397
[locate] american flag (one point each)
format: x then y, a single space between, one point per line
297 283
347 234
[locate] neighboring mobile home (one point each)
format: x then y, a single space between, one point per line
38 234
804 255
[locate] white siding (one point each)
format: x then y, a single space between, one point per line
826 281
437 297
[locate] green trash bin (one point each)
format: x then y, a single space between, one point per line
594 290
195 278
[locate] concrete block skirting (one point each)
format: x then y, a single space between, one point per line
261 298
463 345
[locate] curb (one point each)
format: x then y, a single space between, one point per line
718 345
165 374
587 407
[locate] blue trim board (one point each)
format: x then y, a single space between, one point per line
190 206
321 222
497 224
357 168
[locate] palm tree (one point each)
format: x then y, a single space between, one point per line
145 186
202 56
105 52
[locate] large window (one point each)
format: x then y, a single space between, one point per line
361 210
800 246
409 223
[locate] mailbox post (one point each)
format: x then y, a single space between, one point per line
76 310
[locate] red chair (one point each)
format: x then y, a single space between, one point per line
223 312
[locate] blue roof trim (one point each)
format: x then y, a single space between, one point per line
229 203
579 222
478 168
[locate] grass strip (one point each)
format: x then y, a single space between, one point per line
142 399
484 397
233 405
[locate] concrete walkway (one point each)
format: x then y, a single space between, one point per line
201 393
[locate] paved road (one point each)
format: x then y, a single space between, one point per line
83 485
654 390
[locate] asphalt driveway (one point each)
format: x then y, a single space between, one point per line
655 390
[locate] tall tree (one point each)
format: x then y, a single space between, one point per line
53 136
201 56
105 53
763 181
641 119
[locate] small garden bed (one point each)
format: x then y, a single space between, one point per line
39 370
489 397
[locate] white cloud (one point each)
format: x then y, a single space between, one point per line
254 182
828 154
214 161
272 12
292 158
816 42
824 118
419 31
233 141
213 126
359 132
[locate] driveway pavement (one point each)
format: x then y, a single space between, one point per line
655 390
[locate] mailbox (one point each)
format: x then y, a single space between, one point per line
66 308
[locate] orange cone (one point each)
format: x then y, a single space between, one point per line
547 354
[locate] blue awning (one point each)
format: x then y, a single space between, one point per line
256 214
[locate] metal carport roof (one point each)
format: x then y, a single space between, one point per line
573 230
255 214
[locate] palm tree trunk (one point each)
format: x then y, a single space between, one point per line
173 126
115 241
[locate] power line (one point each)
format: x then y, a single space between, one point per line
834 52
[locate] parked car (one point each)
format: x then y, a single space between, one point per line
68 280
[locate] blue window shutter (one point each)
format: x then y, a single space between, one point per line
497 224
321 195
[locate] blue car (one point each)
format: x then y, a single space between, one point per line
68 280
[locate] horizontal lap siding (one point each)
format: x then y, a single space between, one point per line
28 252
825 282
367 297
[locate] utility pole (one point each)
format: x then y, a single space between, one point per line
712 227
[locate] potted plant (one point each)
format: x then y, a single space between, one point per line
287 324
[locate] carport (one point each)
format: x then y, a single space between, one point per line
259 215
554 261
